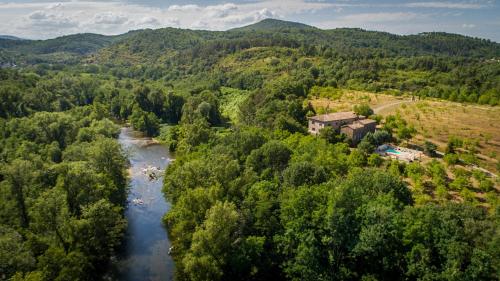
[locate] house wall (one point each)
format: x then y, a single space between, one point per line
349 132
356 135
370 127
314 125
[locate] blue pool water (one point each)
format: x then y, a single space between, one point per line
390 150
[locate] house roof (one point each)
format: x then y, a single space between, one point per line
359 124
354 126
367 121
337 116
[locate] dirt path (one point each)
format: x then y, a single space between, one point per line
382 107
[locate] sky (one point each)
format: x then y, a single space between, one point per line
48 18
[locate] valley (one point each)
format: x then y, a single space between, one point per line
251 195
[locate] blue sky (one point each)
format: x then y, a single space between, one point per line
49 18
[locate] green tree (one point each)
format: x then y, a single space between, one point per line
15 255
331 135
20 178
451 158
438 173
146 122
300 173
273 155
374 160
99 231
357 158
213 243
429 148
405 132
192 135
363 109
381 136
449 248
50 215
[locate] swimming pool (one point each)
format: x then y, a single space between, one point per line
391 150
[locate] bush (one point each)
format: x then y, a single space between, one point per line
375 160
486 185
363 109
301 173
451 159
331 135
429 148
460 183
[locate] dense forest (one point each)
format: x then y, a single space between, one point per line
441 65
254 197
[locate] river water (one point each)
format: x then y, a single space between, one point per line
145 256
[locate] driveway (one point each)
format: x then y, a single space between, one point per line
382 107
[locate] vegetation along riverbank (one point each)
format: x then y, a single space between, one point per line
253 195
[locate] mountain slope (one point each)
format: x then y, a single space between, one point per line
273 25
69 48
156 46
10 37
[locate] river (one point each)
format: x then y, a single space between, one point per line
145 255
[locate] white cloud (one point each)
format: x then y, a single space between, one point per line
372 21
221 10
183 8
110 18
378 17
468 25
50 19
149 21
446 5
38 15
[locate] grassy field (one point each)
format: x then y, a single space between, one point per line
346 99
434 120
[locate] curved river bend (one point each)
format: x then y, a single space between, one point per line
145 256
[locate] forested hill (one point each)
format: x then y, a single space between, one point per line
10 37
274 25
435 64
150 44
253 196
65 49
342 42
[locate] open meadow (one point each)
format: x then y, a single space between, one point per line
434 120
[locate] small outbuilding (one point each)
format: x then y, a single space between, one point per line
358 129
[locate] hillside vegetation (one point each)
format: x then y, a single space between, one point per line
254 197
441 65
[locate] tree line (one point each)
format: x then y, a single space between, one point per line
63 185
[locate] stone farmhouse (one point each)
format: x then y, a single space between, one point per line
354 126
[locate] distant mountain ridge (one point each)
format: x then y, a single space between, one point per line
10 37
148 45
273 24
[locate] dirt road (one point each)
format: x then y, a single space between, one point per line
382 107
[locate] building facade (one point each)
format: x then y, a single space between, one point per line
335 120
358 129
354 126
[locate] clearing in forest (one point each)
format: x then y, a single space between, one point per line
434 120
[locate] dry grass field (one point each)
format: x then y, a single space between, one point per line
434 120
348 99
